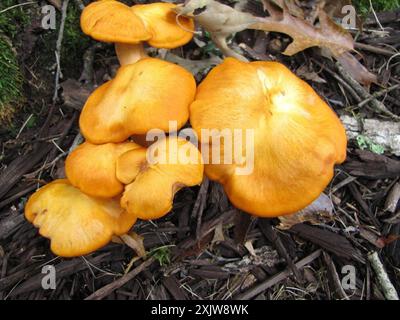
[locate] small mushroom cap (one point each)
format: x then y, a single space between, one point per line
76 223
297 138
91 168
151 185
161 19
143 96
113 21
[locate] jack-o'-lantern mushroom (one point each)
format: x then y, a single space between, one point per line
76 223
142 96
297 137
153 176
128 27
92 168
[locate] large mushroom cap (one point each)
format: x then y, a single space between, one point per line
91 168
153 176
167 30
297 137
76 223
113 21
143 96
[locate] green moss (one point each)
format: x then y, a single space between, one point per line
363 6
11 81
365 143
13 20
162 255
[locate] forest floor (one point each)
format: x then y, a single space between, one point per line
205 248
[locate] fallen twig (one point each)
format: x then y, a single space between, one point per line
106 290
58 49
383 279
374 103
374 49
378 94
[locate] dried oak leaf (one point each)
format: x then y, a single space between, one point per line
356 69
221 21
134 241
305 35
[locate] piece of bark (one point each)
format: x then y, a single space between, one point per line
22 165
242 222
334 277
392 200
332 242
63 269
373 166
383 133
173 287
10 224
75 93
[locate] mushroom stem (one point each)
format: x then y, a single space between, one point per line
129 53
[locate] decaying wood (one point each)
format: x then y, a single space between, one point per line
393 198
172 285
63 269
328 240
335 277
10 224
269 232
199 205
372 166
383 278
22 165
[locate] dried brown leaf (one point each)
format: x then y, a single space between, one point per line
134 241
356 69
304 73
218 234
290 5
372 237
221 21
318 212
305 35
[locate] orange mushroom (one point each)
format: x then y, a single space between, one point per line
128 27
153 176
297 138
76 223
141 97
91 168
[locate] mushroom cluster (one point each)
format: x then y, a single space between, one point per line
111 180
296 139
